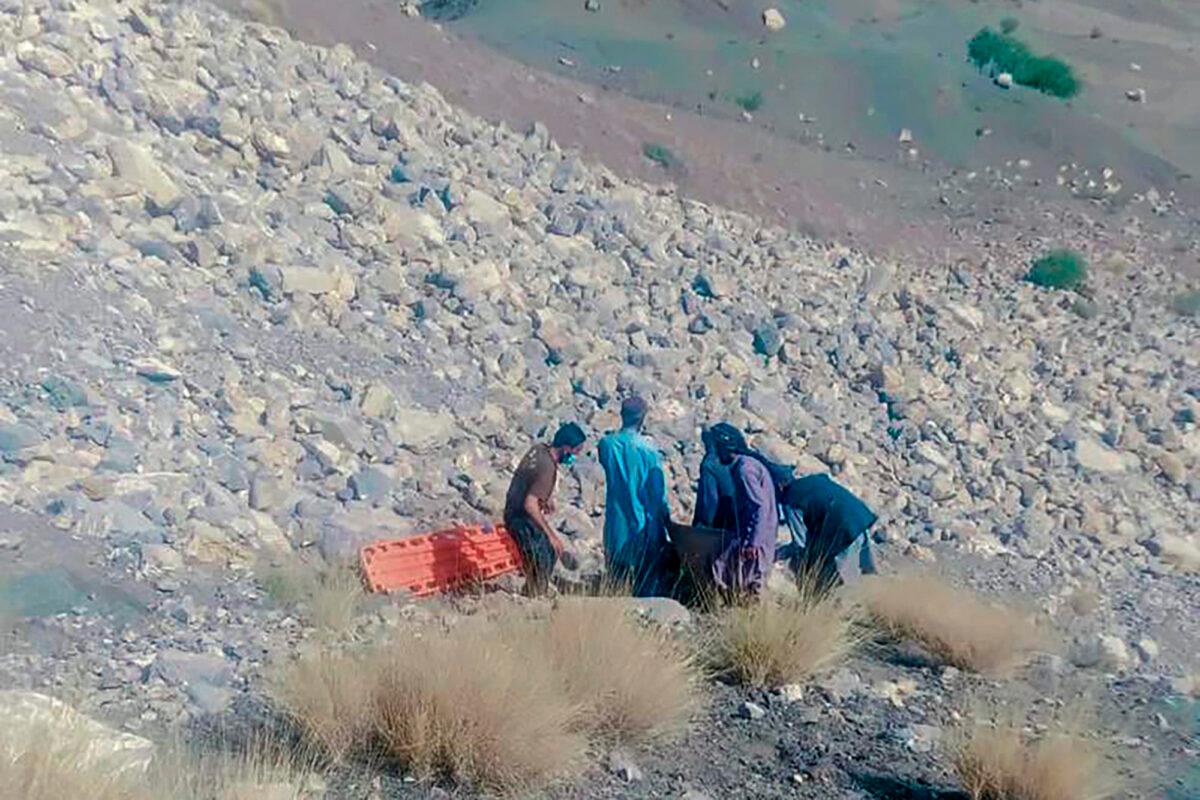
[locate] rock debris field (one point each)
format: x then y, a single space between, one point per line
257 298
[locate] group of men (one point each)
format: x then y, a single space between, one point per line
743 497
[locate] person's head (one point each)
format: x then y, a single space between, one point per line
568 442
726 440
633 412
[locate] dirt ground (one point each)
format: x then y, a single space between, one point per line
888 203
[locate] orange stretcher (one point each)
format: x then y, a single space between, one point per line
441 561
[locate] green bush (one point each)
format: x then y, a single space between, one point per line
750 102
1058 269
660 154
1006 53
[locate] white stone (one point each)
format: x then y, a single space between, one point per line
773 20
136 165
1092 455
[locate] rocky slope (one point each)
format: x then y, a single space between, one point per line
258 297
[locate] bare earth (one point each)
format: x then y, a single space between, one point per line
893 206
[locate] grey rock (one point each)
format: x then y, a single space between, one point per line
622 764
371 484
751 711
17 436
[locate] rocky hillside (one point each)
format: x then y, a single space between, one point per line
256 296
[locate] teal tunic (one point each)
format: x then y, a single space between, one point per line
635 507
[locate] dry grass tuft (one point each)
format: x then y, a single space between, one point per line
503 704
330 696
1003 764
53 762
954 625
633 682
472 707
785 640
330 597
44 764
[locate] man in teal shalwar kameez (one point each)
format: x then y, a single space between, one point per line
635 504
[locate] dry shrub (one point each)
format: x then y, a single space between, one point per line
330 696
330 596
43 763
953 625
262 770
1003 764
53 762
337 598
503 703
633 682
782 640
472 707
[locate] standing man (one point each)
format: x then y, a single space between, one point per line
741 570
635 503
531 497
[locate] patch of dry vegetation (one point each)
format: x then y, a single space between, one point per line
472 707
329 597
502 704
632 682
1002 763
954 625
330 696
783 640
54 762
44 766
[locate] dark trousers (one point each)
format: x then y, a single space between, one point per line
537 554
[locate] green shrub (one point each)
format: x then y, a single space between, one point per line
1058 269
1006 53
750 102
1187 304
660 154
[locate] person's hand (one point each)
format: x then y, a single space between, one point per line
556 543
549 506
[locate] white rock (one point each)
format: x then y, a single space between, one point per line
1004 80
1104 651
420 430
752 711
1147 649
773 20
136 165
1092 455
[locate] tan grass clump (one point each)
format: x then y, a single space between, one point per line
329 597
1003 764
472 707
632 682
331 697
41 763
783 640
59 762
503 704
954 625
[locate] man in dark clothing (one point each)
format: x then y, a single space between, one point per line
830 524
741 569
714 498
837 543
531 497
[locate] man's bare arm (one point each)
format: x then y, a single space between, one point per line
533 507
